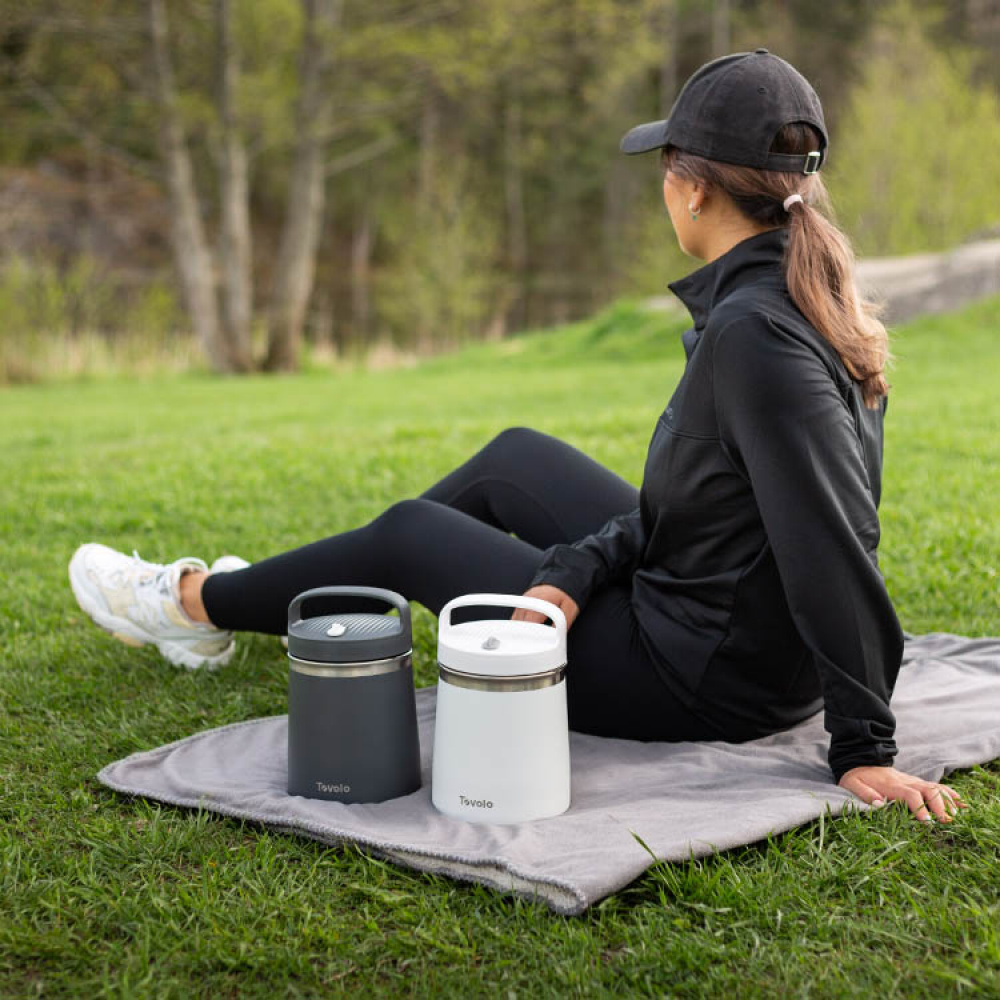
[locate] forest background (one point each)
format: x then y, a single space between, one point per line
275 183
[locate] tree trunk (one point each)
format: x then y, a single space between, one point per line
235 236
517 232
430 122
94 190
668 64
296 262
361 254
191 252
430 126
322 328
721 34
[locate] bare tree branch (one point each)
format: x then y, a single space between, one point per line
348 161
107 27
69 124
345 124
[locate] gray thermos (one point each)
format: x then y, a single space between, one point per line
352 718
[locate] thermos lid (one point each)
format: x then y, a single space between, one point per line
350 637
501 647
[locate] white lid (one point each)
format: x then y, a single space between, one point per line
500 647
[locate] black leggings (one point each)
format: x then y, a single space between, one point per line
456 539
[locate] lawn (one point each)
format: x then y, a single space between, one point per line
105 896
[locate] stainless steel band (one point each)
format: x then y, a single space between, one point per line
366 669
517 682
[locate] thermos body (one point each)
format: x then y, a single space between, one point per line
501 740
515 758
334 750
352 722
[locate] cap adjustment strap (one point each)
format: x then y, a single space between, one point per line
795 163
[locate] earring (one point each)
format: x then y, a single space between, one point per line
694 214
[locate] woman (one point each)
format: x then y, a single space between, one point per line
738 591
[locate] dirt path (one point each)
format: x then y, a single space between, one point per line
920 283
932 282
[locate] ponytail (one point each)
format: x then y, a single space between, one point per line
819 268
818 262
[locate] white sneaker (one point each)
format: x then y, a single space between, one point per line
139 602
228 564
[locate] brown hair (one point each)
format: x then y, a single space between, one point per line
819 261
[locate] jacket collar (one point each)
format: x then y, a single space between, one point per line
754 258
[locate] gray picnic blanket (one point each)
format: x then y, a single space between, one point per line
678 799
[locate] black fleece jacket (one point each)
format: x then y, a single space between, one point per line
752 554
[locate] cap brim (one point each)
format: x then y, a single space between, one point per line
643 138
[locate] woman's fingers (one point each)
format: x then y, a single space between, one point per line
915 800
865 792
910 795
950 801
957 801
524 615
935 801
553 595
925 799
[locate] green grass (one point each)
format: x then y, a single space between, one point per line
103 896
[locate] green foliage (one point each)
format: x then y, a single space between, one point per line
106 896
914 161
57 322
441 287
498 199
652 255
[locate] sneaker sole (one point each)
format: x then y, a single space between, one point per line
129 633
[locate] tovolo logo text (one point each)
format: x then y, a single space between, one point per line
475 803
332 789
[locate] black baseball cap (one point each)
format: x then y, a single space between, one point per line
732 108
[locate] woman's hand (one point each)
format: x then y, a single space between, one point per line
553 595
877 785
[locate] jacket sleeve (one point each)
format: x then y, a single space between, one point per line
584 566
791 433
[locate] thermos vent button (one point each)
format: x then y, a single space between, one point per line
491 643
337 628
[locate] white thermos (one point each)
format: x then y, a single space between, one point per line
501 738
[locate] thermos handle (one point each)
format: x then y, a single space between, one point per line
507 601
389 597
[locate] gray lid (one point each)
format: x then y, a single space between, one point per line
349 637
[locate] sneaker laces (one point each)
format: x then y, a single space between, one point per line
144 568
164 581
154 576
